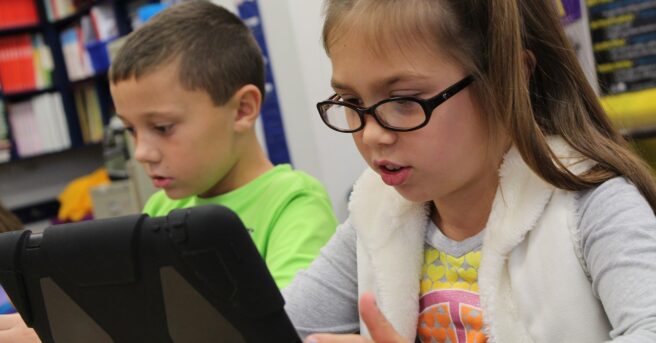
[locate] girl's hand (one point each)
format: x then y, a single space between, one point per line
380 329
14 330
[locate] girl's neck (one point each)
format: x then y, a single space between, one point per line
463 215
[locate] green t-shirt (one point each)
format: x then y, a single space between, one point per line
288 213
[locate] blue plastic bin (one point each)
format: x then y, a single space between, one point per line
99 56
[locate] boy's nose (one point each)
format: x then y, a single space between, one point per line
146 153
373 134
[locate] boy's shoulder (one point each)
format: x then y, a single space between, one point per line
275 187
278 187
284 177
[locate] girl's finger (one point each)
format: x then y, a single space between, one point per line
379 327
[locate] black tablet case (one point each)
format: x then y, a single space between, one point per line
192 276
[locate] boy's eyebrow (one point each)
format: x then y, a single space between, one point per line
149 115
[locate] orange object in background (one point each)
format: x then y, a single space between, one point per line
75 200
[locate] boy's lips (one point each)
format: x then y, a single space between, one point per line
392 174
161 181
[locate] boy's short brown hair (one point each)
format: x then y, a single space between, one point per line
216 51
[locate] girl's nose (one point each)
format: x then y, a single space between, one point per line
373 134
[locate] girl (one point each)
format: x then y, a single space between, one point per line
500 204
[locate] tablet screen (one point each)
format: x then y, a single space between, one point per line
5 304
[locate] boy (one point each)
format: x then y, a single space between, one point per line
188 86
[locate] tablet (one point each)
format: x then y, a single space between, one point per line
191 276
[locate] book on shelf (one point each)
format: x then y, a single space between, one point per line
103 21
84 44
42 120
60 124
25 63
36 125
17 13
75 55
20 118
5 150
80 106
42 61
96 128
59 9
89 113
5 142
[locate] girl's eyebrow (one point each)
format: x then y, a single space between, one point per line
389 81
338 85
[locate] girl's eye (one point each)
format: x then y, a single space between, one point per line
352 101
130 130
406 95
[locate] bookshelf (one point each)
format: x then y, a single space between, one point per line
52 122
6 31
53 106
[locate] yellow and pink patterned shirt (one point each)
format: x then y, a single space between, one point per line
449 305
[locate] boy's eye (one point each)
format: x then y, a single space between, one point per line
130 130
163 129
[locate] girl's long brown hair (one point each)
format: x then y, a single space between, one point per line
528 78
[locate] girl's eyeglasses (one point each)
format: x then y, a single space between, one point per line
404 113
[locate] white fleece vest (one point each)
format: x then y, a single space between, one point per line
533 286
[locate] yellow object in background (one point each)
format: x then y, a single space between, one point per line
633 110
560 8
75 200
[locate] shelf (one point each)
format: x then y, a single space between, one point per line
6 31
45 210
36 180
25 94
646 132
94 77
88 146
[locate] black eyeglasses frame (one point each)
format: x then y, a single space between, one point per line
428 105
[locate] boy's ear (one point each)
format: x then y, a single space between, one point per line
248 101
